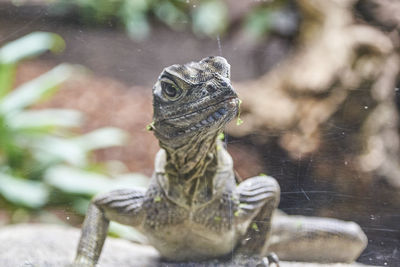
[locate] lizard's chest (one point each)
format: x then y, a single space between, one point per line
200 232
216 216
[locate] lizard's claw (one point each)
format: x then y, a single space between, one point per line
270 259
82 261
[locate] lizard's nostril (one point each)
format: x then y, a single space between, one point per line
211 88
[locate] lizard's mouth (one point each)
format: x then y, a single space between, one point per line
204 110
206 118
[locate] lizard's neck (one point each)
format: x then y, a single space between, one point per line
192 167
193 159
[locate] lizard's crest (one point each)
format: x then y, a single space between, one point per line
193 100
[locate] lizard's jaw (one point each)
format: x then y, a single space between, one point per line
213 117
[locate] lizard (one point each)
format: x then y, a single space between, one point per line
194 210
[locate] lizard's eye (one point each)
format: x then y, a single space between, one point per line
170 90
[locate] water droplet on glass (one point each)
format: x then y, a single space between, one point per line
219 45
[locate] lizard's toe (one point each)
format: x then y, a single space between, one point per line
270 260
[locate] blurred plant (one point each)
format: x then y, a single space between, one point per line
207 17
42 160
277 16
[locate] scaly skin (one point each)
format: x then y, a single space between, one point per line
193 209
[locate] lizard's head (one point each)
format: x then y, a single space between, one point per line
193 100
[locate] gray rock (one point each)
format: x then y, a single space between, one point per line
48 245
45 245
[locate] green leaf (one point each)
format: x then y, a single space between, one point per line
74 150
7 77
102 138
134 15
254 226
217 218
29 46
127 232
170 15
26 47
131 180
19 191
80 204
33 91
259 22
210 18
61 149
46 118
76 181
132 7
137 26
150 126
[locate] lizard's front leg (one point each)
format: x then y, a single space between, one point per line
123 206
259 197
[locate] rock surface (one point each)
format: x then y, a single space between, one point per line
48 245
45 245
